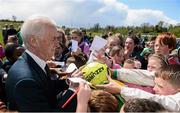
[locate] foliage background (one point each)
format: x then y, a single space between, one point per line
144 30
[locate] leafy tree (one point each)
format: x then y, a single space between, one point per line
96 27
14 18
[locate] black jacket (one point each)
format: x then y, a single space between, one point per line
29 89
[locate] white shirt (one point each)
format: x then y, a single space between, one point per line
39 61
170 102
136 76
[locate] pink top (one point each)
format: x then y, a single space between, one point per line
116 66
145 88
131 85
2 53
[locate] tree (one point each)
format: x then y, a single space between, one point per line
63 27
159 27
96 27
110 28
145 27
14 18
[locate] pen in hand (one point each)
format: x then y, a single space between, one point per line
107 55
69 100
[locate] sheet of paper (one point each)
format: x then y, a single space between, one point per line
92 57
98 43
59 63
74 45
71 68
78 80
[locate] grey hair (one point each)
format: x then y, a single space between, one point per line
34 26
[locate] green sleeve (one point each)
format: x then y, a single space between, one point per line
115 74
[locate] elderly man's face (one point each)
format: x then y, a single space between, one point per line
48 42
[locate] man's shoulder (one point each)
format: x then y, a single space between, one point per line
20 64
19 69
16 73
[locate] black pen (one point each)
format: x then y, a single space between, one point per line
107 55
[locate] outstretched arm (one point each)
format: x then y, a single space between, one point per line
135 76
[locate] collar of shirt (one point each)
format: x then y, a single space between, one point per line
39 61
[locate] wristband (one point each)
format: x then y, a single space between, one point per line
115 72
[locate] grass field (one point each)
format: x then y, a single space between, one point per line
1 39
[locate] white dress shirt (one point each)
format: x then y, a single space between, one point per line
170 102
39 61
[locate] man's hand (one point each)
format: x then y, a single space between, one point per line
2 107
102 58
51 64
60 72
79 51
77 73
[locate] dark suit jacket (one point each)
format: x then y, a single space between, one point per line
29 89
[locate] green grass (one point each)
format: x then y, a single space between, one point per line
1 38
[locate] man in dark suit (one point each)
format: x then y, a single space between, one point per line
5 34
28 86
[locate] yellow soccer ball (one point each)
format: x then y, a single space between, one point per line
95 73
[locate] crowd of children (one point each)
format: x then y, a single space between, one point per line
150 73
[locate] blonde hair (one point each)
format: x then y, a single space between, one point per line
161 57
115 50
77 32
129 61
